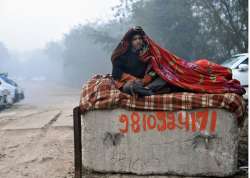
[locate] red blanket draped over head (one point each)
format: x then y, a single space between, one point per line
201 76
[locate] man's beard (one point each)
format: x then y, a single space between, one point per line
137 50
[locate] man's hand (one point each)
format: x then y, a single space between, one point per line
129 84
139 81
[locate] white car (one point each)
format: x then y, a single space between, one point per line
10 90
19 91
3 97
239 65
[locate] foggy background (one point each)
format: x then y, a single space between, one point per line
68 42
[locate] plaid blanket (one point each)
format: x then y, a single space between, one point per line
100 93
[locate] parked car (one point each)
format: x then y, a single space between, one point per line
11 90
19 91
239 65
3 96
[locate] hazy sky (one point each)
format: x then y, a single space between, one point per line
29 24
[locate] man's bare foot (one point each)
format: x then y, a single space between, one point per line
134 95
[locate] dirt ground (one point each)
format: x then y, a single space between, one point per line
37 133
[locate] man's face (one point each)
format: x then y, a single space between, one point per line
137 42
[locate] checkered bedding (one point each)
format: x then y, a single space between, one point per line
100 93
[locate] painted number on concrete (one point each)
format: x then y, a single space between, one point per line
163 121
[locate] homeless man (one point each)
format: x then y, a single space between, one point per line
134 76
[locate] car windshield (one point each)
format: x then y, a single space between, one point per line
9 81
230 62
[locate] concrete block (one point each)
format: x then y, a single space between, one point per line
199 142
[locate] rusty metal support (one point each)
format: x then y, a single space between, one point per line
77 142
